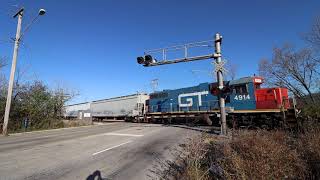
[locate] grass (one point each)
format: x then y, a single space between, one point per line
249 154
260 155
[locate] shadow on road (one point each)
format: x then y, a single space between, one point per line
96 176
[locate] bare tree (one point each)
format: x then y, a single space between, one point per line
313 37
232 70
296 70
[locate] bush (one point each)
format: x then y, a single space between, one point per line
35 101
311 111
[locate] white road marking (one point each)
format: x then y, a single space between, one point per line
112 134
111 148
59 129
120 134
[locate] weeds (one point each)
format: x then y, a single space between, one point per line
260 155
249 154
308 146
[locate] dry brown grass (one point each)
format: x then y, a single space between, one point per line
190 163
308 146
76 123
260 155
195 159
249 154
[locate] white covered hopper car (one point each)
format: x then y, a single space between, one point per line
123 107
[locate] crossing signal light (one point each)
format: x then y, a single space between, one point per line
147 59
226 90
215 91
140 60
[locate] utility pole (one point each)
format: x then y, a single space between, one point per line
219 70
149 61
17 40
13 69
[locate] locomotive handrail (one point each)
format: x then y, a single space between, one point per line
213 105
174 107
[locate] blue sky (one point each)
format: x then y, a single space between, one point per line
91 46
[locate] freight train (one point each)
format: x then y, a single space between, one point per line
246 104
122 107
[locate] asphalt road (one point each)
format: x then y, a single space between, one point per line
113 151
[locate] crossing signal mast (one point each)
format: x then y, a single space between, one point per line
148 60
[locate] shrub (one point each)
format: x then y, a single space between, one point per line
36 101
311 111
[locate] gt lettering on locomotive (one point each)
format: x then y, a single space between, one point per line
190 100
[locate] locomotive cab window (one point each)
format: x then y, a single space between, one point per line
241 89
158 95
257 86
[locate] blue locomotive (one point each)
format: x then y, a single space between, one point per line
244 97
